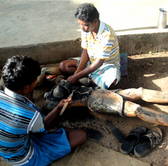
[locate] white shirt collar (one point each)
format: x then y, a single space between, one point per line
101 28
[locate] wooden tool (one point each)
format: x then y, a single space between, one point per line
66 104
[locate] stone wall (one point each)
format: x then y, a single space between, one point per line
48 53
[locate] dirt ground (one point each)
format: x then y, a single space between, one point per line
146 70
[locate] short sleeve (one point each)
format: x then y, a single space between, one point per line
36 124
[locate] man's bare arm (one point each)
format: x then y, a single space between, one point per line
83 60
94 66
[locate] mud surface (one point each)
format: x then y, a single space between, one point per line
149 71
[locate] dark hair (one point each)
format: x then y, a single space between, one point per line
87 13
20 71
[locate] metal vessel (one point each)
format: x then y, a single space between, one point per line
162 20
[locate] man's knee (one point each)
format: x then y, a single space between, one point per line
62 66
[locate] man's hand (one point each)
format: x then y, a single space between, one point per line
56 111
62 102
72 79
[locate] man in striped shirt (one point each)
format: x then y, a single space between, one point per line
24 136
100 58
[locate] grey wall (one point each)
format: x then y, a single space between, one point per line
47 53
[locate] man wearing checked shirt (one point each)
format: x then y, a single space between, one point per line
100 59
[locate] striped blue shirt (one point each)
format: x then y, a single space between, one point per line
18 118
